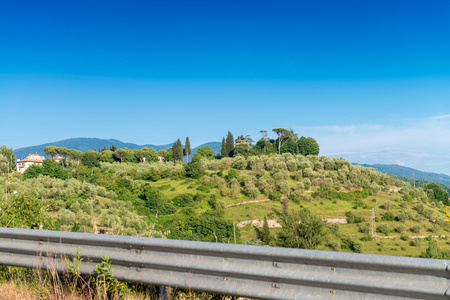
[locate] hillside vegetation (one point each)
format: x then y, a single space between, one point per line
228 199
249 194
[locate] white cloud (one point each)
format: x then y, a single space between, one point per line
418 143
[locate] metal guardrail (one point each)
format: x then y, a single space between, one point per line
249 271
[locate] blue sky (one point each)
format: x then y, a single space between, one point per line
370 80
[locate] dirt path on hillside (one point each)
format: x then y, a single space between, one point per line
250 201
245 202
411 236
275 224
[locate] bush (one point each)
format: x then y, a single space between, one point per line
400 228
403 216
388 217
416 228
364 228
383 228
193 170
183 200
275 195
232 173
415 242
351 218
253 192
335 227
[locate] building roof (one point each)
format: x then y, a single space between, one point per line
33 158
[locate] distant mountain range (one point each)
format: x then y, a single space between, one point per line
84 144
401 171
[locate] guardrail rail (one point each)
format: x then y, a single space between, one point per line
239 270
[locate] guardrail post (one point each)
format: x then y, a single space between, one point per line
162 295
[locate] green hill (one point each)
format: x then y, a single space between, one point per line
401 171
226 200
84 144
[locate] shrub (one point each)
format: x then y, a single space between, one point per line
307 183
364 228
416 228
253 192
383 228
351 218
388 217
183 200
415 242
232 173
275 195
400 228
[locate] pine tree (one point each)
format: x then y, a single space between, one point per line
187 149
230 144
223 150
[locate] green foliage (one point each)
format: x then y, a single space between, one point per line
223 148
177 149
156 203
119 154
283 134
74 266
187 148
289 146
151 155
388 217
183 200
433 251
383 228
416 228
108 287
301 230
266 237
22 210
205 152
348 243
352 219
232 173
308 146
107 156
8 153
275 196
230 144
210 226
91 159
49 168
130 156
242 148
436 193
193 169
152 175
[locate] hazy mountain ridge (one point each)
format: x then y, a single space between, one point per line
401 171
84 144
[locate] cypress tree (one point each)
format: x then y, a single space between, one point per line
265 234
230 144
177 148
113 148
187 148
223 149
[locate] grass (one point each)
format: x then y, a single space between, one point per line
326 208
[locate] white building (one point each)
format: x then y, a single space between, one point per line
32 159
